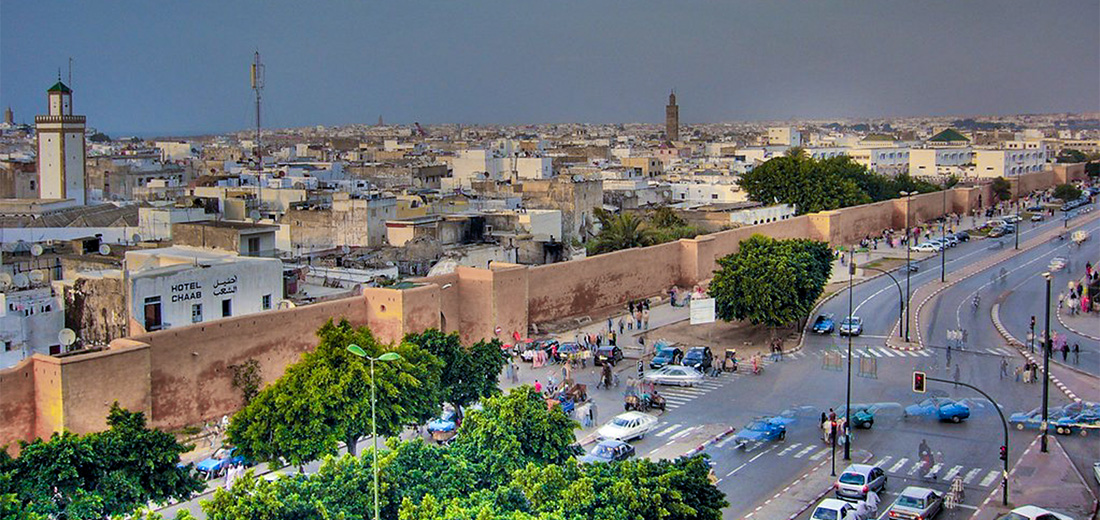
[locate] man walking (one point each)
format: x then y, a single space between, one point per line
949 355
1076 353
956 375
1004 367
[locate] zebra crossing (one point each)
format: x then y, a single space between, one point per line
677 396
886 352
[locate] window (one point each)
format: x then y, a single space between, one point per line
715 196
196 313
7 346
253 245
152 314
227 308
266 302
32 187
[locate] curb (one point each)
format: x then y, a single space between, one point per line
698 449
1058 314
995 315
812 502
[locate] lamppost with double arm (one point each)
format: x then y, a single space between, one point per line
388 356
908 260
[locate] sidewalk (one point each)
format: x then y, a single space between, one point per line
804 492
1048 480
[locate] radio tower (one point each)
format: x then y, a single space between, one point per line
257 77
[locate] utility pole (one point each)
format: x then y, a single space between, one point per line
848 399
257 77
943 235
908 261
1017 223
1046 366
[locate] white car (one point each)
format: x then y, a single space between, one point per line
1033 513
926 247
1057 263
674 375
627 426
1036 217
832 509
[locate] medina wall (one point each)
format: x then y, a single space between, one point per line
18 404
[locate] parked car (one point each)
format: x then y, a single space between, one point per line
546 345
699 358
609 450
765 429
568 348
1033 513
1082 423
998 232
963 236
608 354
940 407
916 503
221 460
680 375
626 426
832 509
1012 218
666 356
912 267
824 324
1036 217
851 326
1031 420
926 248
857 480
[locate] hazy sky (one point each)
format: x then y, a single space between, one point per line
182 66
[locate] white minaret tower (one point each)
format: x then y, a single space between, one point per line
60 148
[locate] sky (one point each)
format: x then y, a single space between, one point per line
155 67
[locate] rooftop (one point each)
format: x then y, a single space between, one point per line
948 136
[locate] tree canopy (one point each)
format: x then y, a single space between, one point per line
469 372
771 282
107 473
813 185
326 398
1067 192
532 480
1001 188
1069 155
627 230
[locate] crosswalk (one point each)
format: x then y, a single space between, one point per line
886 352
677 396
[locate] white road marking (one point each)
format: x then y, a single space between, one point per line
805 451
990 477
971 474
761 454
916 466
682 433
951 473
935 469
789 448
993 351
888 353
672 406
900 464
727 440
875 352
665 431
735 470
924 353
882 462
819 455
757 444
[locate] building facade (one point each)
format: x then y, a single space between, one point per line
61 148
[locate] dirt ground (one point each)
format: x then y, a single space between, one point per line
743 336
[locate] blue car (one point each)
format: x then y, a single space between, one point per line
666 356
942 408
608 450
760 430
1029 420
824 324
446 422
221 460
1082 422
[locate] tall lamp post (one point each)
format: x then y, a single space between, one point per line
1017 223
943 235
848 399
908 260
388 356
1046 364
901 297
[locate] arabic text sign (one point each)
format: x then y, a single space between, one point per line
702 311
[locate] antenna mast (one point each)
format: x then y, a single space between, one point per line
256 74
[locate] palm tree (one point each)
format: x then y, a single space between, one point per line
621 232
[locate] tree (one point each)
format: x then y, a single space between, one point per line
513 430
807 184
622 231
247 379
101 474
1002 189
100 137
1067 192
795 272
326 398
469 373
1069 155
665 217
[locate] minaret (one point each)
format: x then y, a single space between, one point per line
60 148
672 118
9 117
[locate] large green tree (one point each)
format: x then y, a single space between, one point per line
621 231
326 398
1001 188
470 373
101 474
771 282
1069 155
1067 192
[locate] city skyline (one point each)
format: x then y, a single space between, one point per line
507 64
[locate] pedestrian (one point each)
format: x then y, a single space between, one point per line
592 411
956 375
609 324
1004 367
1065 353
538 387
872 502
1076 353
622 324
1061 298
832 415
645 317
630 307
564 371
515 373
1034 372
949 355
509 371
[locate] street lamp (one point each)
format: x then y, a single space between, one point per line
901 297
388 356
943 235
1017 223
1046 364
848 399
908 260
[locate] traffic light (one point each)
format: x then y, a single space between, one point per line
1004 453
918 382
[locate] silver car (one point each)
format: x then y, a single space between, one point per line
674 375
916 503
858 479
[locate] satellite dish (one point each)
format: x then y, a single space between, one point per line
21 280
104 249
345 249
5 281
136 238
36 250
66 337
286 304
38 276
254 214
